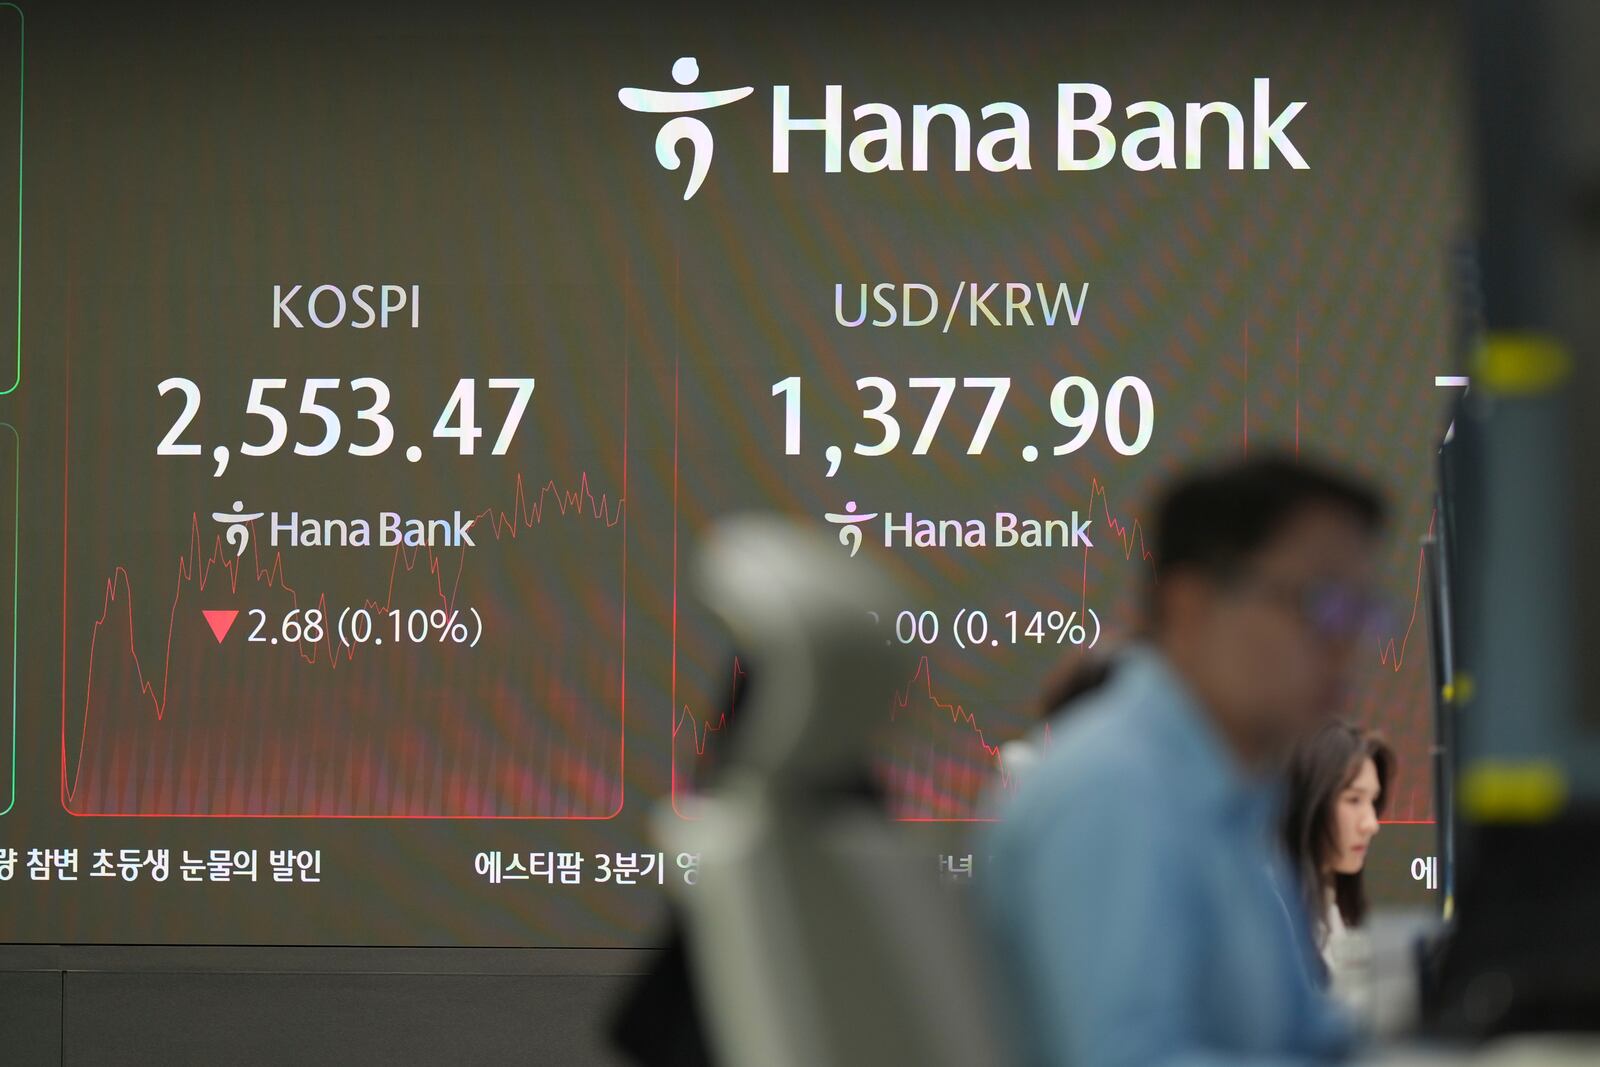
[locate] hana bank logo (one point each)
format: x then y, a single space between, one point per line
878 136
684 127
850 524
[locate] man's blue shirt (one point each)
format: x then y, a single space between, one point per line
1138 898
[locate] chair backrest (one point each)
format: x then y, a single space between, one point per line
816 936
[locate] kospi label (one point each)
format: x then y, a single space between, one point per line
326 306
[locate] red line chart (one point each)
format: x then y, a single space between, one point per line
149 750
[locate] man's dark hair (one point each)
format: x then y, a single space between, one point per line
1214 519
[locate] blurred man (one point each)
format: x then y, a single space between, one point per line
1136 892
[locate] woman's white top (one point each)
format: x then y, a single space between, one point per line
1348 955
1335 939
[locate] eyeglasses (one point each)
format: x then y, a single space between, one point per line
1335 610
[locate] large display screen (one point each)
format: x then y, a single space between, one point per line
380 369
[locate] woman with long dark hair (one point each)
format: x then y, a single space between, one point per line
1338 785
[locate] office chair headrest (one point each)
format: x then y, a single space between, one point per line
807 616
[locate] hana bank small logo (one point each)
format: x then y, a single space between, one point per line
684 127
237 533
849 525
